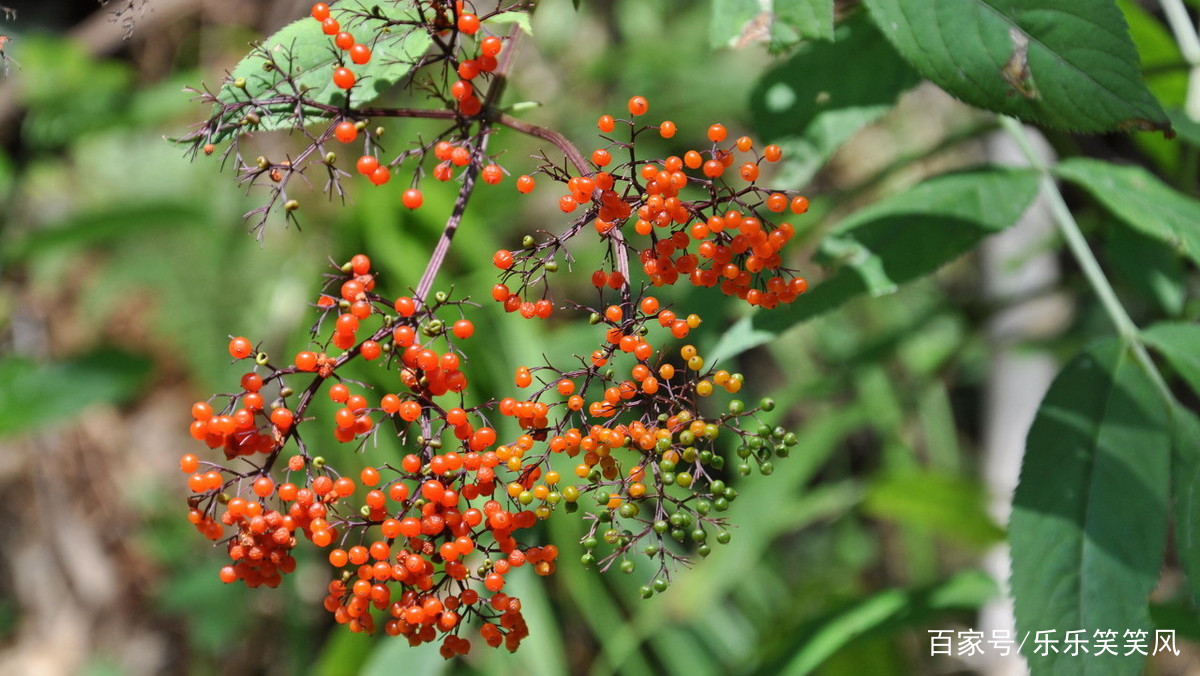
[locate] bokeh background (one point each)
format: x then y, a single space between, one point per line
125 266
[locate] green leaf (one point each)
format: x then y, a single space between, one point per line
300 58
1178 343
1140 200
63 389
942 503
1185 492
1066 65
806 18
1147 267
104 226
816 100
885 611
1089 515
731 19
896 240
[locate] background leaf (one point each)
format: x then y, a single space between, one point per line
1065 65
1185 492
941 503
897 240
1178 343
1089 514
32 394
1140 200
887 610
804 19
814 102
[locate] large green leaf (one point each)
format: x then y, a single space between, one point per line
32 394
1185 492
1069 65
896 240
300 58
812 103
1140 200
1090 512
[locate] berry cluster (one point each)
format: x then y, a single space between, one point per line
625 438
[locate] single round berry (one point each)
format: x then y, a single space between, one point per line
366 164
638 105
468 23
525 183
360 54
666 129
490 46
240 347
717 133
345 132
343 77
606 124
380 175
320 11
412 198
343 40
503 259
492 174
330 26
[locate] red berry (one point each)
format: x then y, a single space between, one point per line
346 132
367 164
240 347
490 46
360 54
380 175
343 40
468 23
343 77
503 259
463 329
492 174
638 105
525 183
320 11
330 26
412 198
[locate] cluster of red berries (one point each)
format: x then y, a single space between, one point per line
474 57
422 547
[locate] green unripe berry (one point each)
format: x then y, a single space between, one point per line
627 566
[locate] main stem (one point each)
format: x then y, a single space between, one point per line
1077 243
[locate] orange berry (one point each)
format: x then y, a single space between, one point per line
638 105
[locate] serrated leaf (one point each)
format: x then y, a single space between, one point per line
64 388
1089 515
1179 343
1185 492
815 101
1140 200
1068 65
300 58
899 239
